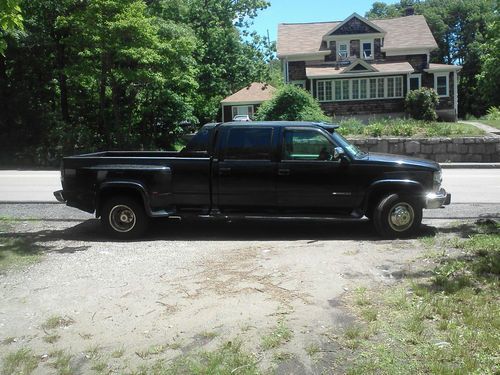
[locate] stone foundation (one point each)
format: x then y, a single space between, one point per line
465 149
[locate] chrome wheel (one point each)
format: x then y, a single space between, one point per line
122 218
401 217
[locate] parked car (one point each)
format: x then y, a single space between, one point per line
270 169
242 118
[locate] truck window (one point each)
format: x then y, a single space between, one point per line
200 141
306 145
249 144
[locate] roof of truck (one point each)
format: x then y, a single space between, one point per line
276 123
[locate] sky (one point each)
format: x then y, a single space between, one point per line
290 11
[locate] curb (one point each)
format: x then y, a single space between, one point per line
469 165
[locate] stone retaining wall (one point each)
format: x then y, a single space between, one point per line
466 149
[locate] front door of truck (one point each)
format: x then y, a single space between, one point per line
245 172
309 178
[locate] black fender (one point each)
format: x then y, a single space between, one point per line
122 185
393 185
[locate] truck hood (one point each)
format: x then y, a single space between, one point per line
390 159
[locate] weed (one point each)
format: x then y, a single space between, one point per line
118 353
361 298
282 356
99 366
52 338
209 335
277 337
312 349
57 321
92 352
20 362
369 314
61 362
8 340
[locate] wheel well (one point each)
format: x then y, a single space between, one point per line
110 192
376 195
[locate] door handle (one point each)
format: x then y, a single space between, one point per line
224 171
283 172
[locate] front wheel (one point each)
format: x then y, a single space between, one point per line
124 218
397 216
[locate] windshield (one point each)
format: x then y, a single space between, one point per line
349 147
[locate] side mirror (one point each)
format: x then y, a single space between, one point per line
338 153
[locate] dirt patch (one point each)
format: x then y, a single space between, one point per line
164 298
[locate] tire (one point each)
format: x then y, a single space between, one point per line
397 216
122 217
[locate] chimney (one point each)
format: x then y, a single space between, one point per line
409 11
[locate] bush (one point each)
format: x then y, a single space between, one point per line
291 103
421 104
493 113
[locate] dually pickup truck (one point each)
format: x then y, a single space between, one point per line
257 169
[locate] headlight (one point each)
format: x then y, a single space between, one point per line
436 180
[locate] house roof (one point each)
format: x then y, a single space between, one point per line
442 68
254 93
401 33
380 69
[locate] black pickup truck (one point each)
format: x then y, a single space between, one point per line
258 169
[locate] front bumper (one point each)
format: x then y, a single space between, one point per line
59 196
437 200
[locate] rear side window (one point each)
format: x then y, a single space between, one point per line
200 141
249 144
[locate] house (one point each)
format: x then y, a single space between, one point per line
246 101
364 68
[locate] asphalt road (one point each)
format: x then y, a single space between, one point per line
475 194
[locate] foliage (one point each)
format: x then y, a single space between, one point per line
459 28
11 20
291 103
493 113
406 128
122 74
421 104
489 76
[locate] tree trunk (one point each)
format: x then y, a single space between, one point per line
63 80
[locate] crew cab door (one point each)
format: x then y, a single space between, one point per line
309 179
245 172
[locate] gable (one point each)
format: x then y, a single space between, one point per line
359 66
355 26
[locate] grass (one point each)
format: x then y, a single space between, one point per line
228 359
51 338
312 350
57 321
118 353
61 362
277 337
444 323
15 252
406 128
21 362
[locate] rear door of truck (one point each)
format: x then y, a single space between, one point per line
245 167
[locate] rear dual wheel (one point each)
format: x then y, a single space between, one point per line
124 218
397 215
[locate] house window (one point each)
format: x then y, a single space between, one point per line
338 90
243 110
380 87
343 51
398 90
345 89
415 81
355 88
390 87
363 89
325 92
373 88
367 49
441 84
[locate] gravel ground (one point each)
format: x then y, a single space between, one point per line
190 285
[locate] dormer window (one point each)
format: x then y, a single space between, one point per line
343 51
367 49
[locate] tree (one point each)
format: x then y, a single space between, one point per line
11 19
291 103
459 28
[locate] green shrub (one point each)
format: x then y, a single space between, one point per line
291 103
374 130
421 104
493 113
351 126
